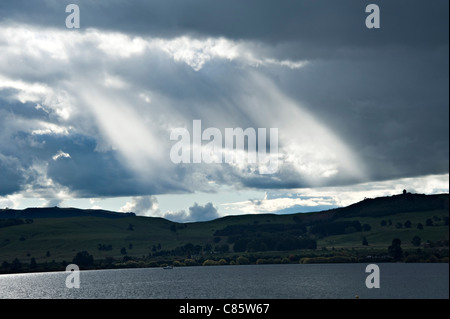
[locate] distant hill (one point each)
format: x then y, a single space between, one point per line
56 212
369 207
403 203
54 236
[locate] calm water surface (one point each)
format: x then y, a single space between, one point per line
317 281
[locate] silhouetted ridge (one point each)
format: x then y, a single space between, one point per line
56 212
404 203
369 207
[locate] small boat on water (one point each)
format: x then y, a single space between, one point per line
167 267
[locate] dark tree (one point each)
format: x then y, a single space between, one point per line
416 241
365 242
419 226
398 225
408 224
383 223
16 264
207 248
83 259
47 254
130 227
395 251
33 264
429 222
123 251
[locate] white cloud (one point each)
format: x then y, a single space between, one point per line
307 147
107 101
26 92
8 202
114 82
50 128
60 154
41 185
61 46
125 93
276 205
142 206
115 44
54 202
308 198
288 63
197 52
196 213
41 93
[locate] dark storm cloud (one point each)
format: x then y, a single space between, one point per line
324 23
29 160
383 92
12 178
398 104
86 172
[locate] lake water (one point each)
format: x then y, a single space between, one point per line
311 281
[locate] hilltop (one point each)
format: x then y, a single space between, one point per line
403 203
57 212
52 237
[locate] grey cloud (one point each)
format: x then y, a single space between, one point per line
142 206
196 213
383 92
54 202
11 175
200 213
398 104
321 24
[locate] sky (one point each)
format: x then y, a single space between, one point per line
86 114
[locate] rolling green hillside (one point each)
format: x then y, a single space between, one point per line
153 241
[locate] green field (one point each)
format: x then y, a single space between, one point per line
57 240
381 236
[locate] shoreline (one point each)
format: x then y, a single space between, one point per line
63 268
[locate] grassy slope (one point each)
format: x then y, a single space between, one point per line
381 236
64 237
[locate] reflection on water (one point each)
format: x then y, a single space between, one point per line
308 281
